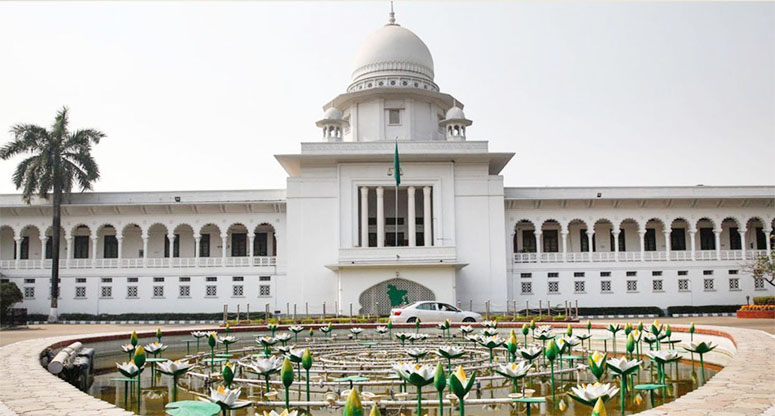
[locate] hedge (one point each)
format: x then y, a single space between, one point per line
672 310
764 300
622 310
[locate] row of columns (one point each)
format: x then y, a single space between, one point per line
69 243
412 227
642 234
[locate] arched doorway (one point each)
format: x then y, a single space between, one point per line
380 298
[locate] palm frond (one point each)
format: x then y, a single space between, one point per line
27 138
59 128
84 137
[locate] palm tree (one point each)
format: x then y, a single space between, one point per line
57 158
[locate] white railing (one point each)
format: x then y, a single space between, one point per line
551 257
627 256
634 256
525 258
577 257
753 254
136 263
681 255
604 256
705 255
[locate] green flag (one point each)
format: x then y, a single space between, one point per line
396 167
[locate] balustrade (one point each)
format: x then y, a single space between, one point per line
136 263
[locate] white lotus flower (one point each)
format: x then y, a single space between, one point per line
489 332
544 328
415 372
200 334
589 393
450 352
285 349
129 370
622 365
356 330
418 337
529 352
228 339
285 412
228 398
264 366
571 340
127 348
155 347
490 324
295 354
474 338
514 370
663 357
283 337
466 329
381 329
416 352
174 368
296 328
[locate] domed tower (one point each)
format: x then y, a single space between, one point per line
332 125
455 124
392 95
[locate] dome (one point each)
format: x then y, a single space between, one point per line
393 50
332 114
455 113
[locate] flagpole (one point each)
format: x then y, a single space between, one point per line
396 216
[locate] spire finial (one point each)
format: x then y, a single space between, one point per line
392 19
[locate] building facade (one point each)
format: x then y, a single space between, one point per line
343 237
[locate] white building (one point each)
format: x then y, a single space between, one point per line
334 234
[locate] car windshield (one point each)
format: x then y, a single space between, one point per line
449 308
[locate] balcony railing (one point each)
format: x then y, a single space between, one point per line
634 256
136 263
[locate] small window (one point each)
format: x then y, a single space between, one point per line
264 278
80 292
158 279
733 271
632 285
525 275
263 290
578 274
708 284
184 291
158 291
656 273
632 274
106 292
527 288
29 292
184 279
707 272
656 285
554 274
683 272
29 281
107 280
237 279
554 287
80 280
578 286
237 290
131 280
394 117
211 291
734 283
605 286
683 285
605 274
758 284
131 291
211 279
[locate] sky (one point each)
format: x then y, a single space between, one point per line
201 95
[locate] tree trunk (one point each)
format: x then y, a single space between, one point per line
53 315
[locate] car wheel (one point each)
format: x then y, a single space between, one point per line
469 319
411 320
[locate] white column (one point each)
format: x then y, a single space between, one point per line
94 241
642 234
767 240
693 243
411 214
197 239
667 244
68 249
537 234
718 243
380 216
364 216
564 246
251 236
120 240
145 250
742 240
42 250
427 216
171 238
616 244
224 241
590 234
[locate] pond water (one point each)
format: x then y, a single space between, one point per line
372 356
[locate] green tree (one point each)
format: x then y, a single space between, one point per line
763 267
56 160
9 295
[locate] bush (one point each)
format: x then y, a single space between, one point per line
622 310
764 300
672 310
9 296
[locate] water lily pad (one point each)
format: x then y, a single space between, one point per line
192 408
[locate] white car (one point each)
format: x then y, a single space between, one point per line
429 311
